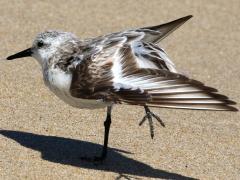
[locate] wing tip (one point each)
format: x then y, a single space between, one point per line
166 28
190 107
187 17
179 21
231 108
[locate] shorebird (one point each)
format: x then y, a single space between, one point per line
126 67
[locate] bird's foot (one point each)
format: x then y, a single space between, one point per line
149 116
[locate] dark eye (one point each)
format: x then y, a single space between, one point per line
40 44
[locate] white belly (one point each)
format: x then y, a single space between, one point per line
59 83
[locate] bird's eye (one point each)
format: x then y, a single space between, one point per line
40 44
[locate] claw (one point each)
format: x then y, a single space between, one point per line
148 117
143 120
150 120
158 119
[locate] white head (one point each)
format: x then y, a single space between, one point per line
47 45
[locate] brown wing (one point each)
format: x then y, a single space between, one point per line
155 34
151 34
93 77
117 74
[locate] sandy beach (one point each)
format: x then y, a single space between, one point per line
41 137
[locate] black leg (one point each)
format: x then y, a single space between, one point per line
107 124
149 116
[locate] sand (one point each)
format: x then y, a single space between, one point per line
43 138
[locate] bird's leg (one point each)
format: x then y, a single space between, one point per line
107 124
149 116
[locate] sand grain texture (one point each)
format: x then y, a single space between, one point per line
42 138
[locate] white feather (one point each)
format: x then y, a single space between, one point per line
59 83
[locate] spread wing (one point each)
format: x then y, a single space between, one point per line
127 70
155 34
144 43
151 34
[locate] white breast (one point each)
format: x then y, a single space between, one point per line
59 83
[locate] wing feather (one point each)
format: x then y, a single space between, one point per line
165 88
127 68
155 34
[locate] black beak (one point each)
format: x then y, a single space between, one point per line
25 53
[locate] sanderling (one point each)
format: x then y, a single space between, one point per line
126 67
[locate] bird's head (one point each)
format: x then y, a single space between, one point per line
47 45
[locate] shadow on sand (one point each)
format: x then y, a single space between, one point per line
67 151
